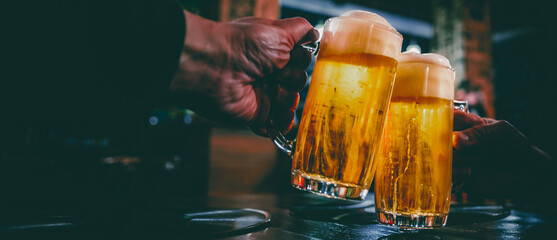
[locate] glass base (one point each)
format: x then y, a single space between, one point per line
411 220
327 187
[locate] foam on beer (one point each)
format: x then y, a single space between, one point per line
369 16
361 32
424 75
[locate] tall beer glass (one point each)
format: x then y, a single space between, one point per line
413 182
345 110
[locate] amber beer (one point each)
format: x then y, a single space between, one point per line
413 182
346 106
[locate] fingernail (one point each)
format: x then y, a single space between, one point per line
463 137
460 139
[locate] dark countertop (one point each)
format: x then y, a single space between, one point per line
293 216
307 216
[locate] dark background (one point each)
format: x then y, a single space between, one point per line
169 154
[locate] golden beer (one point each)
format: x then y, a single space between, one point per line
413 181
346 107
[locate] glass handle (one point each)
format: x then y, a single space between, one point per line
312 47
284 144
456 187
461 105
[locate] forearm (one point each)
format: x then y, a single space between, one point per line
202 49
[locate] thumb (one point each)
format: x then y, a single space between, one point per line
494 136
299 30
463 120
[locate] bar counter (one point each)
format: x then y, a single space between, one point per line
294 215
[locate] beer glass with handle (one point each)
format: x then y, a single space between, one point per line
344 114
413 181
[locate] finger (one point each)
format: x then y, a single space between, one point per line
293 79
311 36
283 119
299 29
492 137
471 138
299 58
257 126
252 19
287 99
464 120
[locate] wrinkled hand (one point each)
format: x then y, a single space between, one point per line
235 72
500 159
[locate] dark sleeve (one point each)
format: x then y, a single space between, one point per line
106 60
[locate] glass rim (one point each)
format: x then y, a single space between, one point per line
428 63
378 24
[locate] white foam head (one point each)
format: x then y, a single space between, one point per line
424 75
368 16
429 58
361 32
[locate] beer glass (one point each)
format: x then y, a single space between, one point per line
344 114
413 181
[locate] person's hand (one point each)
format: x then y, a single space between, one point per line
235 72
500 159
476 134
